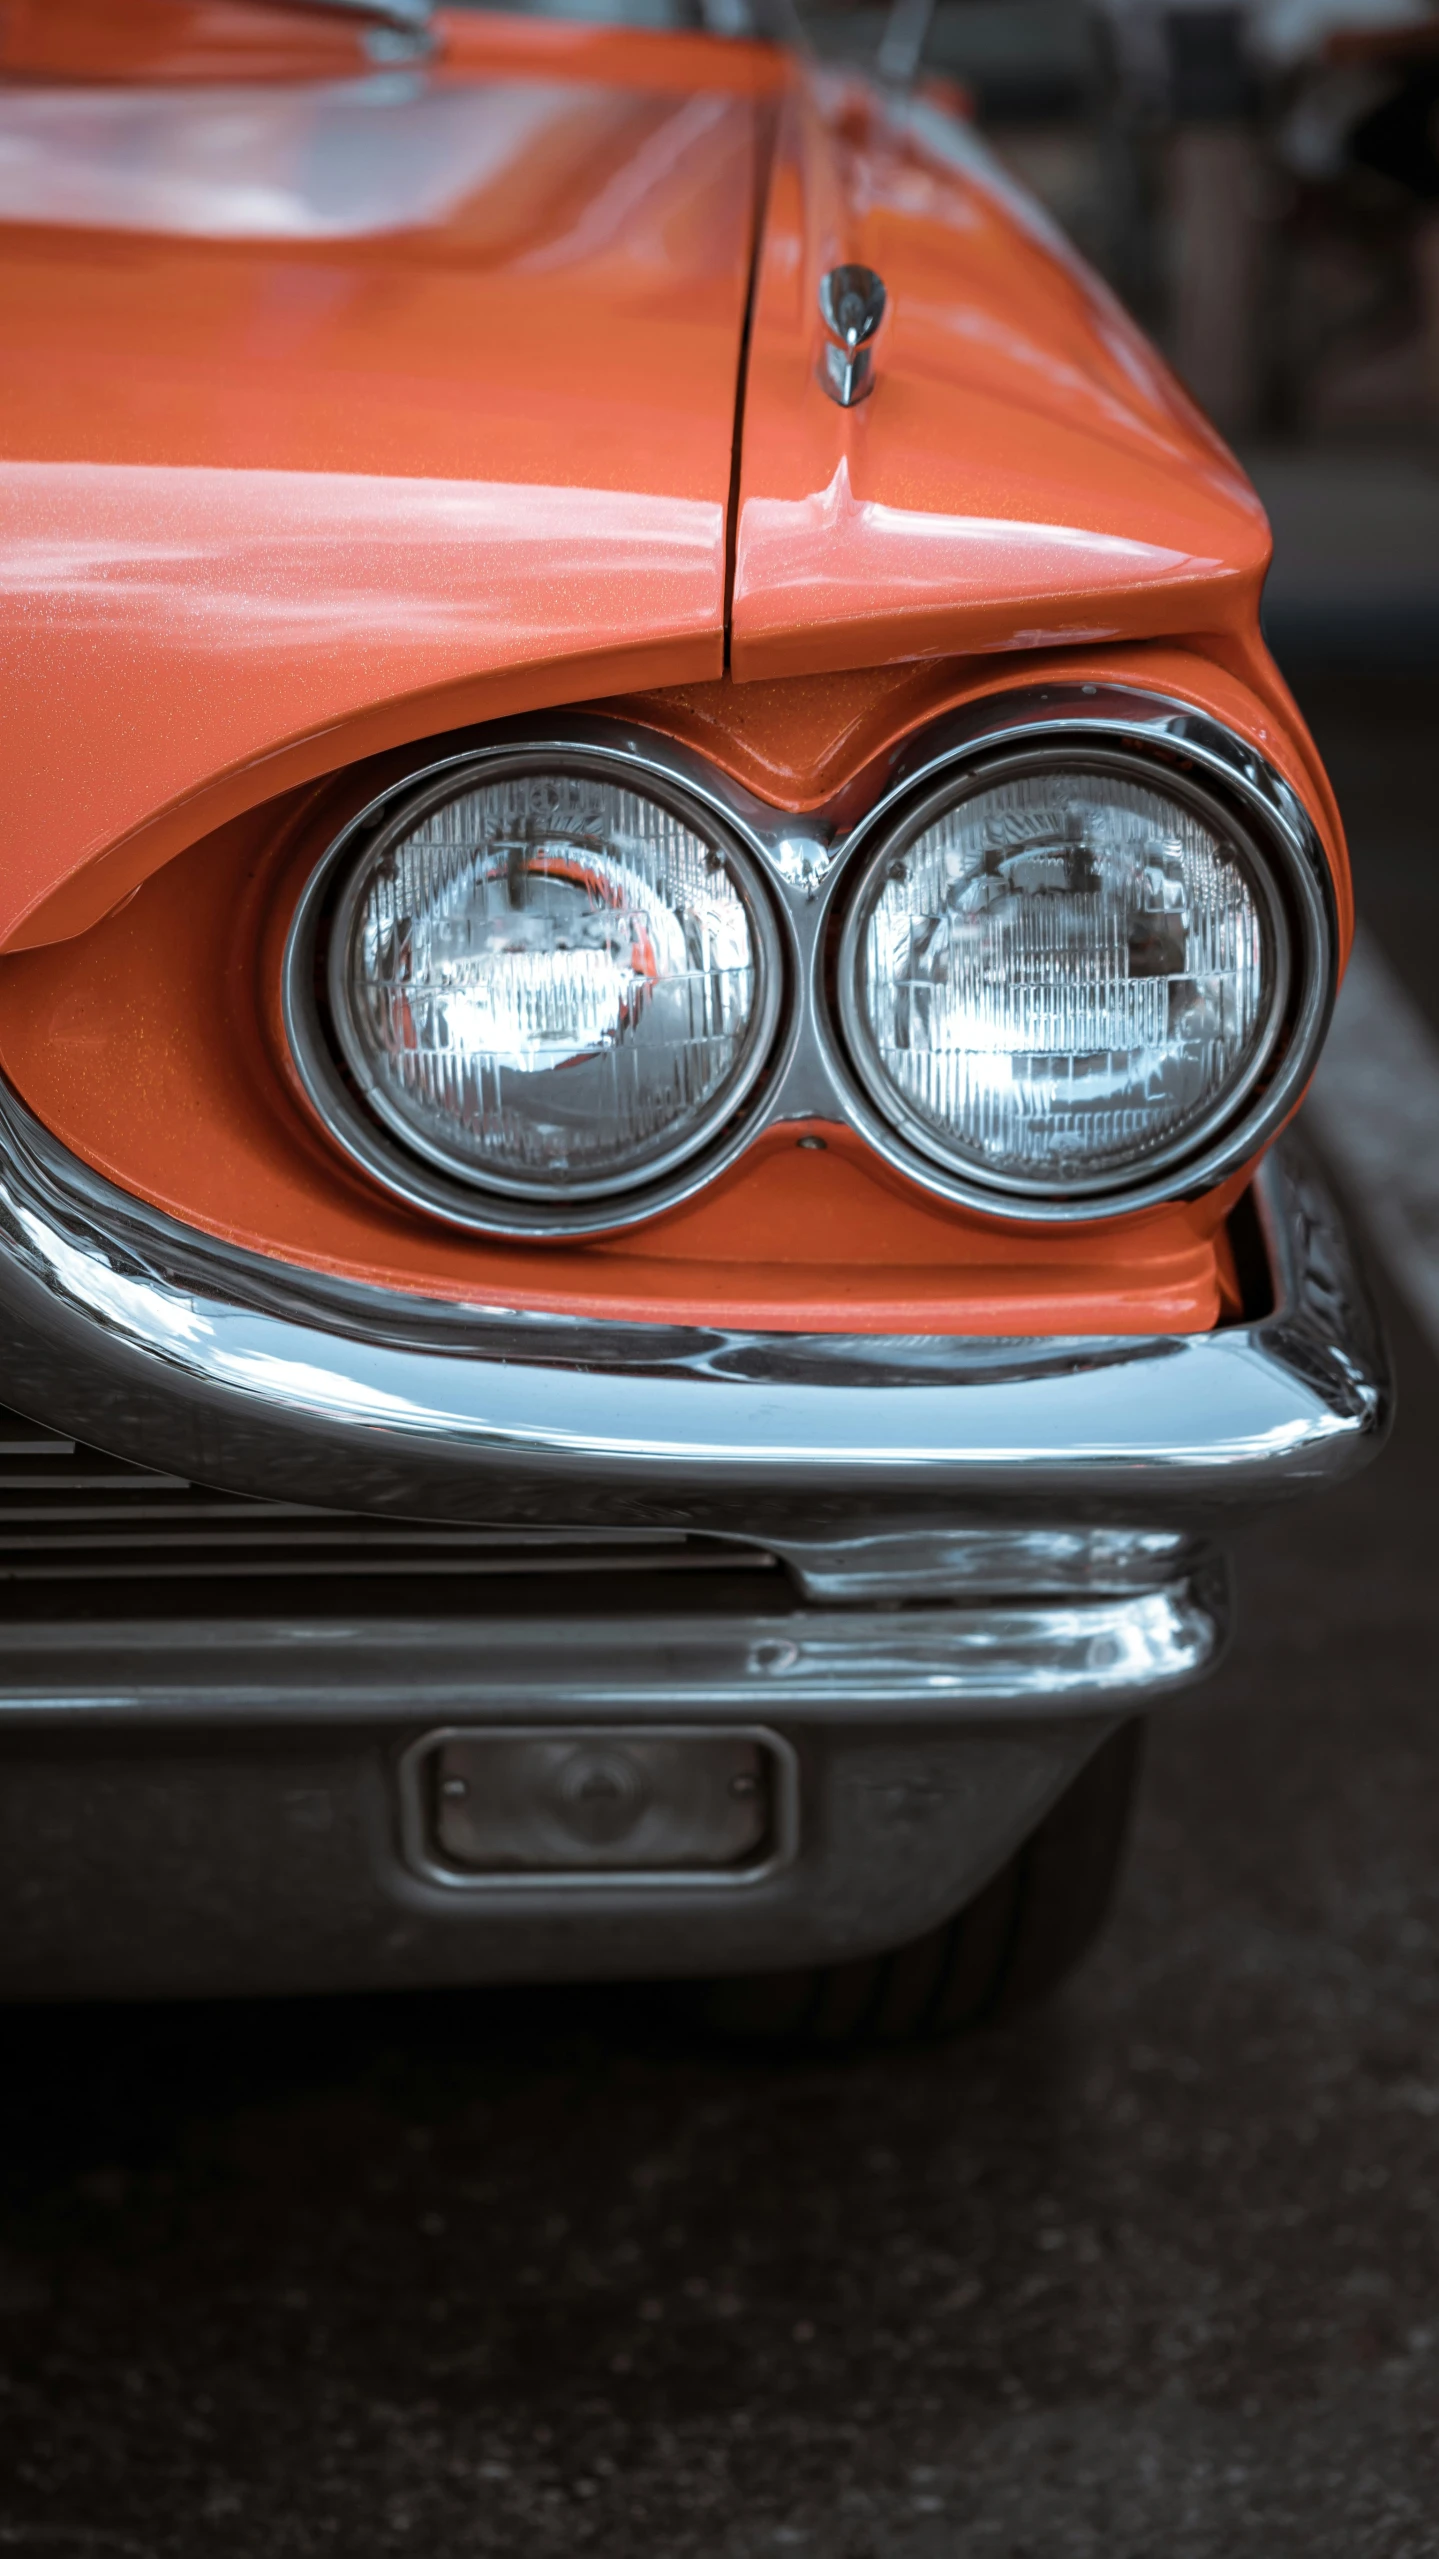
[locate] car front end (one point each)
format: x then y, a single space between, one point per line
652 988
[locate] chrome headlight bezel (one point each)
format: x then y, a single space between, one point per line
906 1138
329 1057
804 874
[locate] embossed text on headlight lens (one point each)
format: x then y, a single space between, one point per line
1063 976
550 982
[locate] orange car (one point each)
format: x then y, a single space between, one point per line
659 909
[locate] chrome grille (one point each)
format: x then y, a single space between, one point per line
68 1513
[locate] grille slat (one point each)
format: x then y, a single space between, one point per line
295 1526
70 1513
231 1567
131 1486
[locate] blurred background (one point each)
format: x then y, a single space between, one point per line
1260 184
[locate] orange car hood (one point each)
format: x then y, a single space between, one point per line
337 413
1026 473
326 396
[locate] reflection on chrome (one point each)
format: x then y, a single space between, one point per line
182 1352
1004 1560
814 1069
1088 1650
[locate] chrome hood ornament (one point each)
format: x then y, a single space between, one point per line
851 305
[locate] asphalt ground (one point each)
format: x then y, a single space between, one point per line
1154 2270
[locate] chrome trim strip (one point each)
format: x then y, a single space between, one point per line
852 1667
178 1351
810 861
1013 1562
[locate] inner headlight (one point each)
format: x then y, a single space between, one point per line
547 981
1063 973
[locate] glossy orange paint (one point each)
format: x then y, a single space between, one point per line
665 58
291 496
177 40
450 436
198 40
334 403
1025 474
151 1047
800 741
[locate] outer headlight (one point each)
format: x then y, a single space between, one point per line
546 979
1064 972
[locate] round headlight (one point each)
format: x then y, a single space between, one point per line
1063 973
549 981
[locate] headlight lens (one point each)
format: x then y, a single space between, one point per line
550 982
1063 975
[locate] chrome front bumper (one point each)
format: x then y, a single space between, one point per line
909 1462
1043 1513
994 1548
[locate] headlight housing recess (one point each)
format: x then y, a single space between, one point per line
1077 959
1064 971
